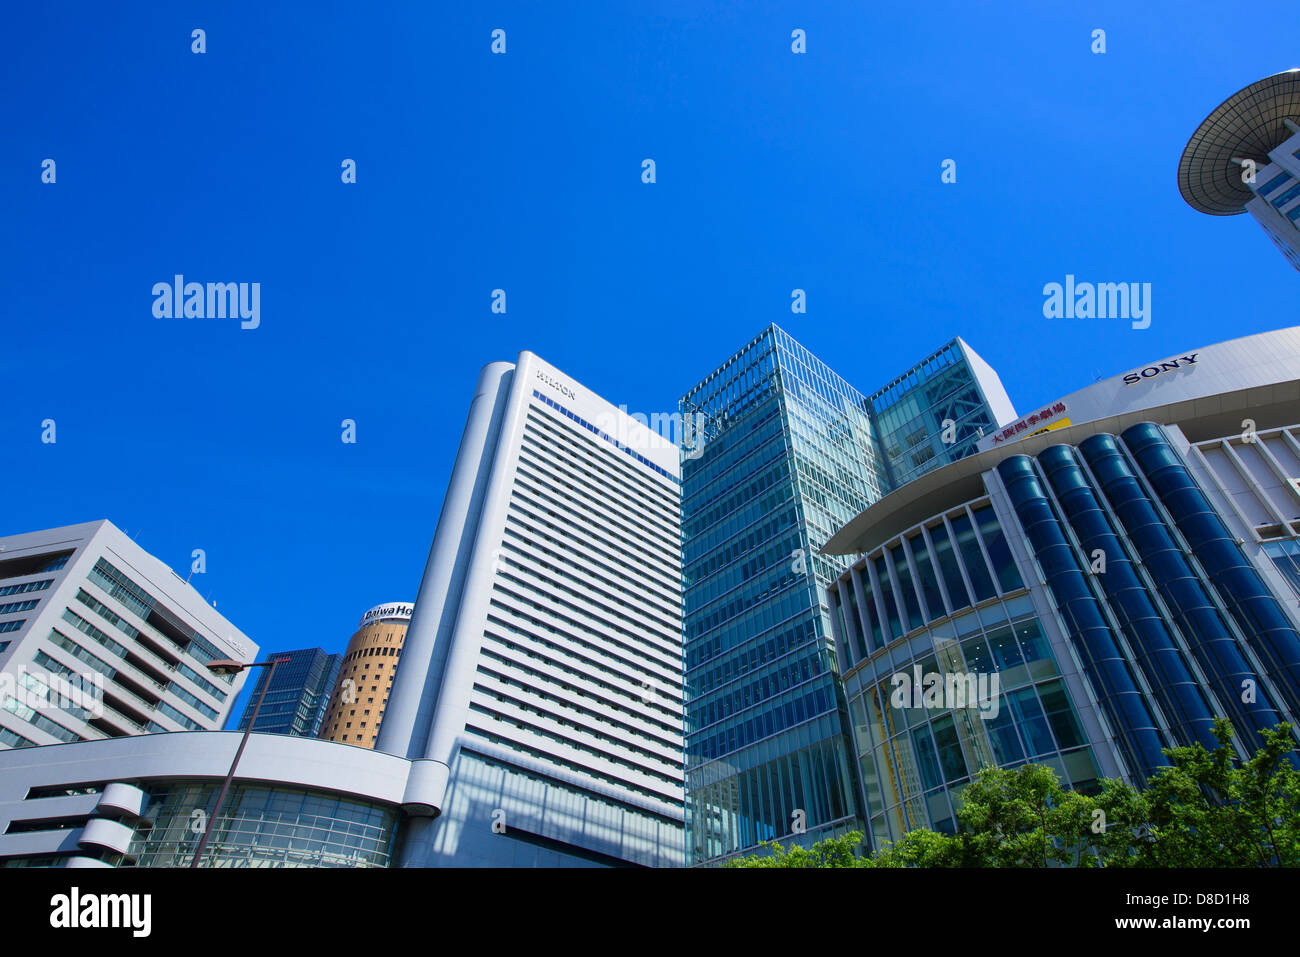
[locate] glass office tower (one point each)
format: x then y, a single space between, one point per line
791 452
299 693
787 458
937 411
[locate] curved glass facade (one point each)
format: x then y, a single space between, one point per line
1172 622
1150 639
946 599
1096 609
916 753
262 827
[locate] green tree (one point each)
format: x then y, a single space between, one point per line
1021 818
1207 809
845 851
922 847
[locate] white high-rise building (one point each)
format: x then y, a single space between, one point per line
540 691
99 639
1245 157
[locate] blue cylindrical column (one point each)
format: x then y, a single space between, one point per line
1109 673
1185 595
1153 644
1239 585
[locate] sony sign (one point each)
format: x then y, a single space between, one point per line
1150 372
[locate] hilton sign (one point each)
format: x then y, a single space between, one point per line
559 387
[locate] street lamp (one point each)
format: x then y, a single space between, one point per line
228 666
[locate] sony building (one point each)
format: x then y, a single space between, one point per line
1100 581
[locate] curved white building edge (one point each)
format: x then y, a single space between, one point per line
541 673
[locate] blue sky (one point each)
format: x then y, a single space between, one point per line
522 171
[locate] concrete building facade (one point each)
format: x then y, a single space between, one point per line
541 673
84 609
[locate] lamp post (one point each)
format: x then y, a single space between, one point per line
227 666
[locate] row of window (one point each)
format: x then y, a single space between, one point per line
610 439
667 736
925 575
770 795
26 587
145 606
618 747
1286 556
609 477
643 545
267 827
1285 196
590 673
97 606
790 709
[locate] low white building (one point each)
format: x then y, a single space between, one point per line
100 639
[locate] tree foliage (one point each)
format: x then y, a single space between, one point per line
1206 809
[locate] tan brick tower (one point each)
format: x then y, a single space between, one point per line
358 700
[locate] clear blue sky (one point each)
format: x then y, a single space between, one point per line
476 171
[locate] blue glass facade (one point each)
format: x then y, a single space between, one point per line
1106 593
1188 601
787 458
933 414
298 696
791 453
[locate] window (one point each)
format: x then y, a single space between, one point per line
1286 197
1286 556
1274 183
973 558
948 566
1004 565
